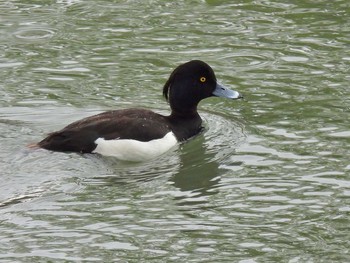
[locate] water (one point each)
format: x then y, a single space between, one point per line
268 181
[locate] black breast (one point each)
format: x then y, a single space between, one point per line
185 127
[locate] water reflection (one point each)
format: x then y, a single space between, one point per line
198 173
121 172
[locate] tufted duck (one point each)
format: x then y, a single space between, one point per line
140 134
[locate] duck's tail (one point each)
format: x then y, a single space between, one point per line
33 146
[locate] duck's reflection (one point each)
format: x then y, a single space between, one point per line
199 173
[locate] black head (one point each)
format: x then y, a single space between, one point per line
191 82
188 84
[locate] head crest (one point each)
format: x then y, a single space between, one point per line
167 85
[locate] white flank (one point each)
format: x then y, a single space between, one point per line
133 150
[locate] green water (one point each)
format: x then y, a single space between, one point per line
269 180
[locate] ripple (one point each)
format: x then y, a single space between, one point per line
247 60
342 134
11 64
223 135
63 70
294 59
69 2
34 33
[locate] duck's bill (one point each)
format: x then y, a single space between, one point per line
222 91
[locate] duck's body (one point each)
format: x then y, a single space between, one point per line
113 133
140 134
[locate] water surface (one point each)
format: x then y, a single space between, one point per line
268 180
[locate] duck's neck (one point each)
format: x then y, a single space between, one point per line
184 113
183 108
185 124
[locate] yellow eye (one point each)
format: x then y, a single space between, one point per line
202 79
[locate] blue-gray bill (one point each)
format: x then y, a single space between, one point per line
222 91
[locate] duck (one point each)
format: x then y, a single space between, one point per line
137 134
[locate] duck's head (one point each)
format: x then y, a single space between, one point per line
191 82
